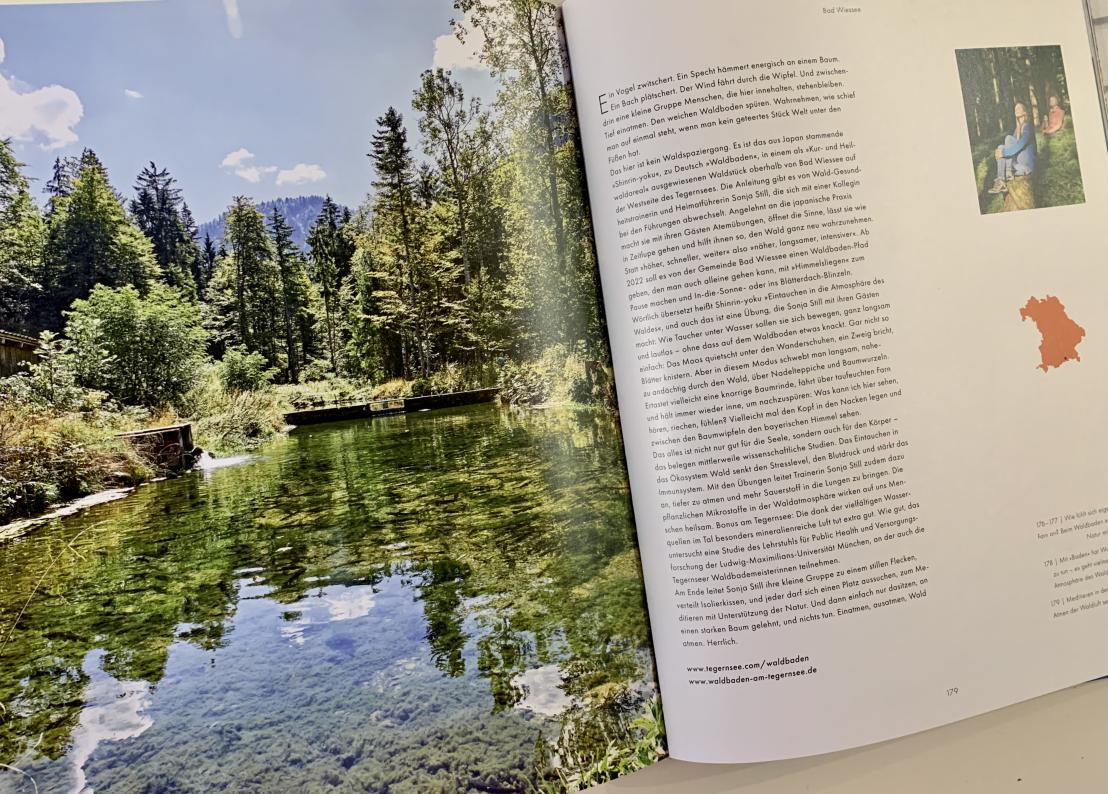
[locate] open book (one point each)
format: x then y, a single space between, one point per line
838 267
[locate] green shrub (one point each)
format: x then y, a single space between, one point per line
649 731
391 389
226 422
142 350
47 456
244 421
316 393
59 440
51 381
568 375
1059 177
636 746
450 378
242 371
523 384
318 369
302 395
559 376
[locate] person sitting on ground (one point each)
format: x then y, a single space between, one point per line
1017 156
1055 119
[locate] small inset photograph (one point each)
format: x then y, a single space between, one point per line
1020 128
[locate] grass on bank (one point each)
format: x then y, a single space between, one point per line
58 439
49 456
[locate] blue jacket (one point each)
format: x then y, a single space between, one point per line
1024 149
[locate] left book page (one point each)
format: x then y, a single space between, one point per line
367 220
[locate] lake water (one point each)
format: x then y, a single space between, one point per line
441 601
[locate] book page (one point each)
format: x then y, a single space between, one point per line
852 267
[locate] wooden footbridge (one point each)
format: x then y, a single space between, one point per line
344 411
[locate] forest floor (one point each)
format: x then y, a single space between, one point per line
1056 180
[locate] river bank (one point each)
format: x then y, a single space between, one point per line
59 442
51 456
18 527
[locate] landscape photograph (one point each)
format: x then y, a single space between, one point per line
311 476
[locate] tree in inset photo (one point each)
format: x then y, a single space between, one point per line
1020 128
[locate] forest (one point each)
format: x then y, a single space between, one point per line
993 81
469 264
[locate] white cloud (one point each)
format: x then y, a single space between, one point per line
131 93
47 115
254 173
234 18
453 54
237 158
240 162
300 173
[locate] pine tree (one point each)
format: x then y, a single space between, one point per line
426 185
394 206
61 180
157 210
22 239
90 241
460 138
190 259
208 256
521 47
491 309
244 292
331 253
554 280
294 291
416 277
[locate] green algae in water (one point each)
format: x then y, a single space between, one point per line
446 601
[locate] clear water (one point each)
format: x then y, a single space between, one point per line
413 603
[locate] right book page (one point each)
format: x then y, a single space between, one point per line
854 272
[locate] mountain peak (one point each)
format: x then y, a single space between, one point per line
300 212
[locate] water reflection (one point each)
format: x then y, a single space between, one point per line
338 603
114 710
542 690
420 600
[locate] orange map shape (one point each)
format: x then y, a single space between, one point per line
1061 335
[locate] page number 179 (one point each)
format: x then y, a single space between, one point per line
952 692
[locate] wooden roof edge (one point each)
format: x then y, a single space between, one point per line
149 431
19 339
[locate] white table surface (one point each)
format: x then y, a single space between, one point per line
1055 744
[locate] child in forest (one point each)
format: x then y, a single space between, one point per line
1016 157
1055 119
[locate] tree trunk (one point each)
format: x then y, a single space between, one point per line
292 365
240 299
329 314
552 166
548 126
1021 194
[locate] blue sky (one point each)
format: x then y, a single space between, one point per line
264 98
